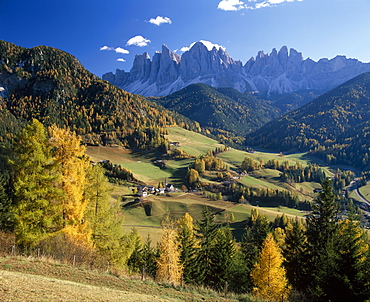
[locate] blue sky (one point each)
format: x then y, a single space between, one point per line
105 35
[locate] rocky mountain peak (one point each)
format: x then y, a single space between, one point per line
279 72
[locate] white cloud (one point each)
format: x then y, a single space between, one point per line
117 49
138 41
207 44
106 48
257 4
262 5
121 60
160 20
121 50
230 5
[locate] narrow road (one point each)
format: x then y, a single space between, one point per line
359 195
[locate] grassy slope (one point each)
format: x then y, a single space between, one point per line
27 279
192 143
177 205
365 191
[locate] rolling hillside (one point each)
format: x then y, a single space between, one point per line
218 109
334 127
52 86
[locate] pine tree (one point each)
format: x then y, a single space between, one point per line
222 256
268 274
149 258
69 155
169 267
37 209
206 229
135 262
6 216
189 247
322 245
295 253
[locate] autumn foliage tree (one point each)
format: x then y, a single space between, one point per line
72 165
169 267
268 274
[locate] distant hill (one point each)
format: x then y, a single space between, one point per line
335 126
52 86
220 108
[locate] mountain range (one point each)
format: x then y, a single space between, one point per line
279 72
52 86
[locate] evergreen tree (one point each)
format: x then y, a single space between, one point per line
268 274
135 262
206 229
189 247
6 216
37 209
222 256
295 253
322 245
149 258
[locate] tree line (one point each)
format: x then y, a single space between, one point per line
325 257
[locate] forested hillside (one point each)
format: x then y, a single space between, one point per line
334 127
222 111
52 86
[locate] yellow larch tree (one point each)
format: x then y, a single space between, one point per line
268 275
70 156
169 268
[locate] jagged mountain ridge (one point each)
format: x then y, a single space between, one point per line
279 72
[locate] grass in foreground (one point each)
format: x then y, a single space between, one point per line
30 279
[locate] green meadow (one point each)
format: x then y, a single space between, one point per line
146 216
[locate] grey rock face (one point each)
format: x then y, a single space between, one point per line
278 72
